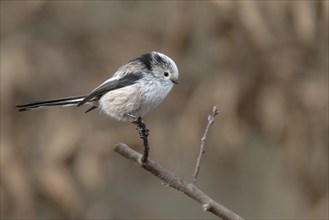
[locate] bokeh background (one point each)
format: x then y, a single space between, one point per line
264 63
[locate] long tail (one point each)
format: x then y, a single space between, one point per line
69 101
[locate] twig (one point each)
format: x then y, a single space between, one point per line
211 119
143 132
170 179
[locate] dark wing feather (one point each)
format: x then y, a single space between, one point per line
114 84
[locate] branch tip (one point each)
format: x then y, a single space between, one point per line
211 119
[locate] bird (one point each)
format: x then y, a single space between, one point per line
134 89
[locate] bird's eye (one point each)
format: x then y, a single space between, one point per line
166 74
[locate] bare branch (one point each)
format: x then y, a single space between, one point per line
211 119
170 179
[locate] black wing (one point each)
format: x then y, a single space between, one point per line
127 80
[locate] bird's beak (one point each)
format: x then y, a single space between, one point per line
175 81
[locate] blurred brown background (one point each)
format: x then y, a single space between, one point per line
265 63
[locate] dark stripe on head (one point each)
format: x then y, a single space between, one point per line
158 58
146 59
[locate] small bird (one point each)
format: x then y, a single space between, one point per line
132 91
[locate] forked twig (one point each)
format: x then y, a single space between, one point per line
211 119
172 180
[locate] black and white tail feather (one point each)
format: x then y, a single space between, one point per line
69 101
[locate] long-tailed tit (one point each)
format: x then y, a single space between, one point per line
134 90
